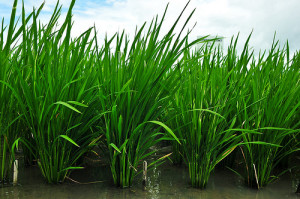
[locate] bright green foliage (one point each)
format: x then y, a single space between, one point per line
53 88
59 95
201 106
9 115
135 83
272 108
233 101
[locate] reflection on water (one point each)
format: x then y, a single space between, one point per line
164 182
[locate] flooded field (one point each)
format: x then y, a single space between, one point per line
166 181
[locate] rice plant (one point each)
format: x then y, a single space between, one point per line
198 122
9 115
53 91
272 108
135 82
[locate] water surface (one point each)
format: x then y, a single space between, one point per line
166 181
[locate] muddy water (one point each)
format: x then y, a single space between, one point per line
164 182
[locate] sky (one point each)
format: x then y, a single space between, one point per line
224 18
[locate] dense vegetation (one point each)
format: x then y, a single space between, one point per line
62 96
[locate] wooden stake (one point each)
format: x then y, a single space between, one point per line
15 174
256 176
145 174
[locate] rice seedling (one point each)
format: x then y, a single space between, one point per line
53 91
202 98
272 108
135 82
9 116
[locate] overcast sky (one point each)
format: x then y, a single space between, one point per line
214 17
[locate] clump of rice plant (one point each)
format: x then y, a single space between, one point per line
272 108
135 82
10 126
53 90
201 108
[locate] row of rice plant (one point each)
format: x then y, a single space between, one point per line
64 85
61 96
233 101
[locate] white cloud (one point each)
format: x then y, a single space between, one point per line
216 17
